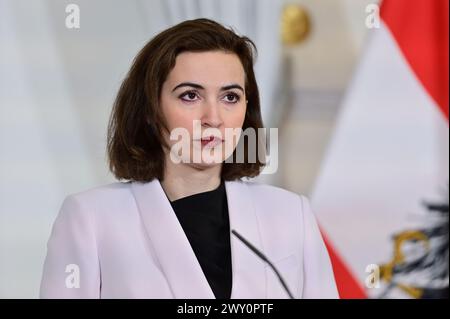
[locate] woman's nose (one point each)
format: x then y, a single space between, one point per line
211 115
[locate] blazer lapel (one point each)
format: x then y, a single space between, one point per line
249 280
174 252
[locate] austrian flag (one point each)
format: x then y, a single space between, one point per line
382 193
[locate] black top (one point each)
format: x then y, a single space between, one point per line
204 218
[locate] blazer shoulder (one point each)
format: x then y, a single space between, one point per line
272 198
99 198
266 191
108 191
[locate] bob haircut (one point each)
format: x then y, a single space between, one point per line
135 143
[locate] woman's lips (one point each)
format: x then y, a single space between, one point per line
211 141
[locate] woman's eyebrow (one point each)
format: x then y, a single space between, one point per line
198 86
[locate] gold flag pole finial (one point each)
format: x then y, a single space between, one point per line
295 24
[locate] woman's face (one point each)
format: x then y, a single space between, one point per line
204 94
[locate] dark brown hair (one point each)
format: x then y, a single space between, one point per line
135 141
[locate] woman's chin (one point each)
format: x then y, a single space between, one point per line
205 165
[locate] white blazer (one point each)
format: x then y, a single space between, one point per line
123 240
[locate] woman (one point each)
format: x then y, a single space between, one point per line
166 231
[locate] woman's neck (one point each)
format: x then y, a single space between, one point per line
181 180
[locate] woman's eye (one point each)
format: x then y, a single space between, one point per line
232 98
188 96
